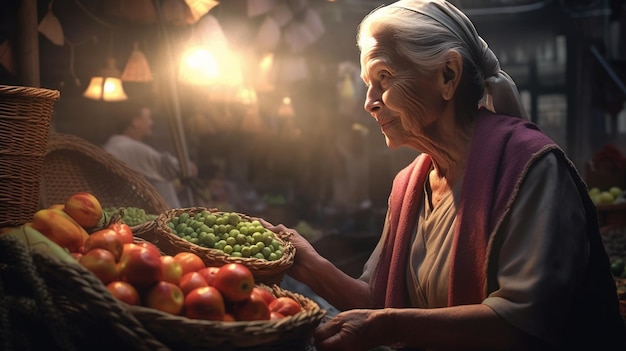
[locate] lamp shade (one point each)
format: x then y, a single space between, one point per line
107 85
105 89
137 68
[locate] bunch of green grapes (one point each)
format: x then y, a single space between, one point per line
132 215
228 232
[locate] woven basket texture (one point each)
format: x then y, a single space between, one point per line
291 333
72 164
47 304
25 114
264 271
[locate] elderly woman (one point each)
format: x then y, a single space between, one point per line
491 241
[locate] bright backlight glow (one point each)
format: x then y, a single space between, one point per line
198 67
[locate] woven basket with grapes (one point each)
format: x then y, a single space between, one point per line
224 237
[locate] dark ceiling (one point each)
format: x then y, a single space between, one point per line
94 29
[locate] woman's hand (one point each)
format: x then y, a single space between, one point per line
305 252
350 330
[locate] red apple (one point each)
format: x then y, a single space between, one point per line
144 244
76 255
166 297
124 231
208 273
190 281
189 261
105 239
205 303
141 265
172 271
254 308
275 315
101 263
265 294
285 305
234 281
124 292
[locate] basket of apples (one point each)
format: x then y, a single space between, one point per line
220 238
190 305
179 298
51 279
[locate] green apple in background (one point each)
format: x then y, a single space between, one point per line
594 191
605 197
615 191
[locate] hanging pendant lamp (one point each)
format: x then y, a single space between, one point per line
107 86
137 68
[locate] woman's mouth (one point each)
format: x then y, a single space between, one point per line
387 124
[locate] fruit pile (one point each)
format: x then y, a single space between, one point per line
183 285
228 232
137 273
612 195
69 224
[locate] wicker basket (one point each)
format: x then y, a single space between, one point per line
48 304
72 164
25 115
264 271
290 333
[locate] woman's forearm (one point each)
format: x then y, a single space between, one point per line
329 282
466 327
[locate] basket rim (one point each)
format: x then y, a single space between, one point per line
29 92
220 333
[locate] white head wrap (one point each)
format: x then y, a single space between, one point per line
501 94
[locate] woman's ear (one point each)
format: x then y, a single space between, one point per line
451 74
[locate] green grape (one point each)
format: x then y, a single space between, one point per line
180 228
245 251
210 220
184 217
234 218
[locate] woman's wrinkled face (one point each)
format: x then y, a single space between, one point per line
403 101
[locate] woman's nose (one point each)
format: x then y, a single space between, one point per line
372 102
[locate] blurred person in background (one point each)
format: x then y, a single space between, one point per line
491 241
133 125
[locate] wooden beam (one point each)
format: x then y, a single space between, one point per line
27 53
